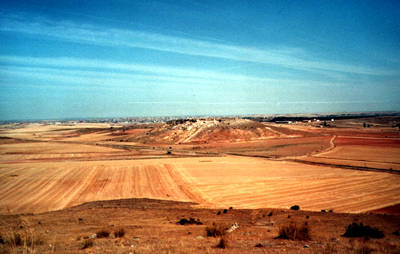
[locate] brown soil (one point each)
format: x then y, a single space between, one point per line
151 227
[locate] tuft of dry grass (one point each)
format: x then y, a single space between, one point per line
119 232
293 232
223 243
88 243
215 230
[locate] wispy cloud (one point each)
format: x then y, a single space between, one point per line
100 72
101 36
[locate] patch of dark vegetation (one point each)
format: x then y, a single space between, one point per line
323 211
230 208
270 214
219 213
102 234
259 245
225 210
295 207
292 232
359 230
191 221
88 243
119 233
215 230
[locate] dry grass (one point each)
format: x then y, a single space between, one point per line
88 243
216 230
293 232
119 233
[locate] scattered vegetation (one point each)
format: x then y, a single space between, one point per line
292 232
359 230
119 233
102 234
191 221
27 241
88 243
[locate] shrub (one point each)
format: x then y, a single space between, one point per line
225 210
292 232
359 230
295 207
102 234
215 230
191 221
119 233
88 243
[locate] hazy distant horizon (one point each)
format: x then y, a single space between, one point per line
89 118
74 59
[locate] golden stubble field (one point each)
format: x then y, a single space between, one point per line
44 168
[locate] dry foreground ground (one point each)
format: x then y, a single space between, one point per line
64 186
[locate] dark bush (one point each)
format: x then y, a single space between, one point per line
119 233
292 232
219 213
270 214
359 230
191 221
225 210
102 234
295 207
259 245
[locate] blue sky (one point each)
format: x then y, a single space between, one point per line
77 59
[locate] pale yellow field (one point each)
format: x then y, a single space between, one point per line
38 187
21 152
254 183
364 153
214 182
50 175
